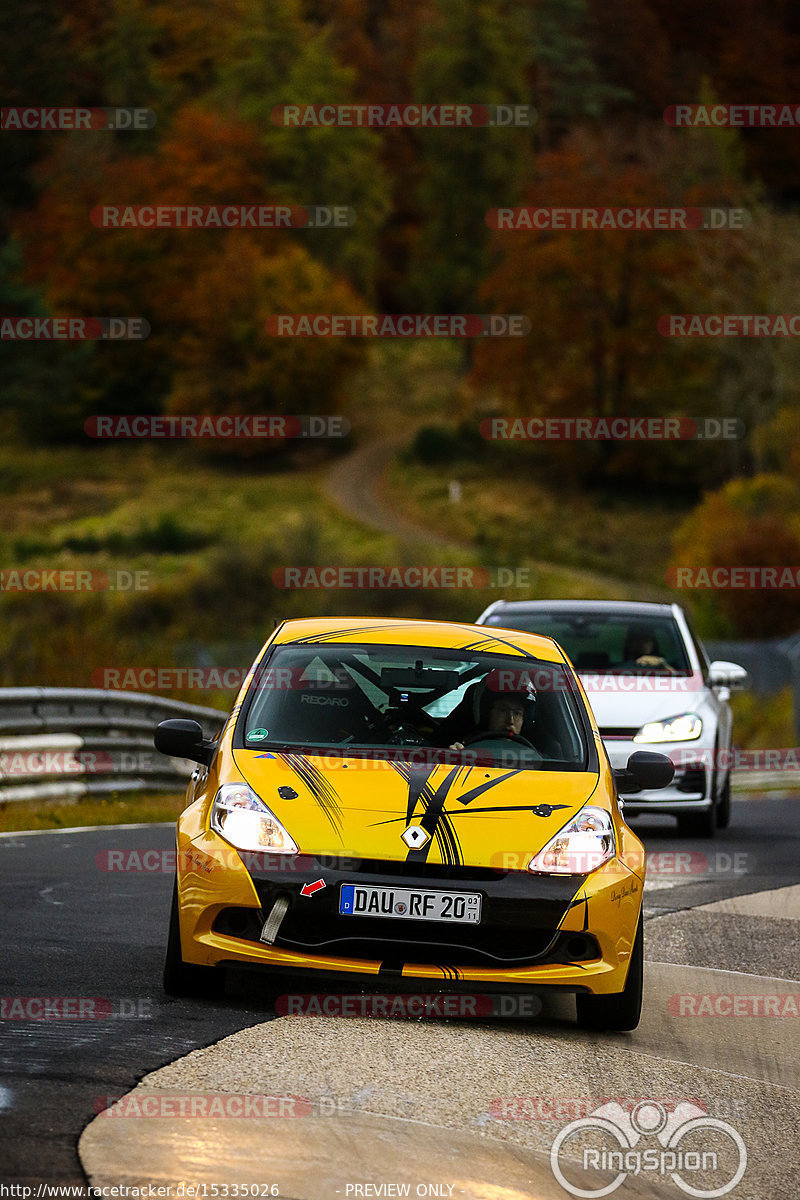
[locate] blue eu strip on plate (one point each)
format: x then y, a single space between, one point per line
346 898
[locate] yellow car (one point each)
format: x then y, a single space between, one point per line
415 805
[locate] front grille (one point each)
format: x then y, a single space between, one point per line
386 943
520 915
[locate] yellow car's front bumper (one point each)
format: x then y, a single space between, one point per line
572 933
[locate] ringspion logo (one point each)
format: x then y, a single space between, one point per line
692 1148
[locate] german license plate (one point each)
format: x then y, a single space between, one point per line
414 904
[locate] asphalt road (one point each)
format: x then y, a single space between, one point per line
74 929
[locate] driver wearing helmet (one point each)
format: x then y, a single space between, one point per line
505 715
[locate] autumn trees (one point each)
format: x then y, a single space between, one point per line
598 73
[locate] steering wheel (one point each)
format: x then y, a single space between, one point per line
493 737
399 731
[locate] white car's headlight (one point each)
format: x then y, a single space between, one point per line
584 844
244 820
683 728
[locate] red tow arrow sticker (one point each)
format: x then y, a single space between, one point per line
308 889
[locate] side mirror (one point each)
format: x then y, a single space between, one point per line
727 674
183 739
646 771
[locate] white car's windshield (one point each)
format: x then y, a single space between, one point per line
607 642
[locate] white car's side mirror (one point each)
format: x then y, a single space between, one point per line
726 674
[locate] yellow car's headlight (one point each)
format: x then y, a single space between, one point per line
683 728
244 820
584 844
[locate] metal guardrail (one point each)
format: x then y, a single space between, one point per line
65 743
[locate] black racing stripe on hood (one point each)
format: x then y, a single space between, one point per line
445 833
489 642
416 776
468 797
337 633
438 825
447 841
320 788
434 820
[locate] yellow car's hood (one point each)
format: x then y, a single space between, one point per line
478 816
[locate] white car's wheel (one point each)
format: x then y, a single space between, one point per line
724 805
698 824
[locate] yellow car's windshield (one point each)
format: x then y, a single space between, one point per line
514 711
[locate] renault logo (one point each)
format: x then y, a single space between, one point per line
415 836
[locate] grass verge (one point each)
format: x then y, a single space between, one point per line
136 809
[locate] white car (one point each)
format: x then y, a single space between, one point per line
650 684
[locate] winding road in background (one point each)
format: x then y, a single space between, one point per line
357 484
